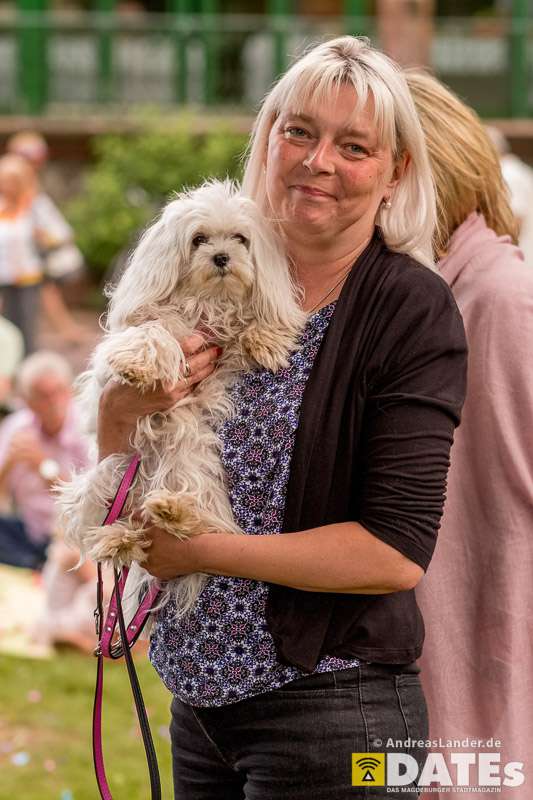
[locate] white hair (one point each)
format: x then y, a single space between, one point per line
314 79
45 362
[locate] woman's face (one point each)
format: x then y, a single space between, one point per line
326 171
13 186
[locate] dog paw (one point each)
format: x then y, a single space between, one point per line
117 543
176 514
268 348
134 369
144 355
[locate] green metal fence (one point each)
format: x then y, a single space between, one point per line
52 62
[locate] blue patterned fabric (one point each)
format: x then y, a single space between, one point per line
222 651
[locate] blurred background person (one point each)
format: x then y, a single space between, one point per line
30 145
11 353
62 260
20 261
477 596
70 598
39 445
519 178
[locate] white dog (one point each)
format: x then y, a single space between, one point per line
210 263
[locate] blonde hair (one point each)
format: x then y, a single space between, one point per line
465 163
408 226
31 145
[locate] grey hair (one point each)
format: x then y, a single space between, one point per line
45 362
408 227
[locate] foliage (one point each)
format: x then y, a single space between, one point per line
134 175
46 713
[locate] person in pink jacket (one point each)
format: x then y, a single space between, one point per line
477 596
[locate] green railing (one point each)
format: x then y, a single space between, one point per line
191 54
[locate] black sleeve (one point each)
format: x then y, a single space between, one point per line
414 403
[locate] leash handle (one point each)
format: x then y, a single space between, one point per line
134 628
129 636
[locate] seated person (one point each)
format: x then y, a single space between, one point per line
67 617
39 445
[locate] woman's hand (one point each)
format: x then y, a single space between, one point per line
121 405
167 557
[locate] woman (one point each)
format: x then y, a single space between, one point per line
64 263
301 649
477 598
20 263
29 225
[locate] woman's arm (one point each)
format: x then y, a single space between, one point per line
343 557
411 411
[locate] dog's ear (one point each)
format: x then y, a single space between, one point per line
274 296
153 272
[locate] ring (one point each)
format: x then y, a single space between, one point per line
188 370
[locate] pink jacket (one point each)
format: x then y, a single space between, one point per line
477 596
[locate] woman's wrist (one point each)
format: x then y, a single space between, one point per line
114 428
114 440
216 553
203 548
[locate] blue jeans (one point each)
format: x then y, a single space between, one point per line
17 548
295 743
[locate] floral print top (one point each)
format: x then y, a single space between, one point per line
222 651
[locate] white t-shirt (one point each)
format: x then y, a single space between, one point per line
38 227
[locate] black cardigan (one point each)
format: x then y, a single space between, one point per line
373 443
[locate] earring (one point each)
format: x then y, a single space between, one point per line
386 204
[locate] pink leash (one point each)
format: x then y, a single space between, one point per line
107 649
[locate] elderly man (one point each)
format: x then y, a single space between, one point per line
39 445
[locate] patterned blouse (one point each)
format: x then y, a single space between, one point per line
222 651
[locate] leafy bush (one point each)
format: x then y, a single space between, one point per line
135 174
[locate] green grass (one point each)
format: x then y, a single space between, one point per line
46 712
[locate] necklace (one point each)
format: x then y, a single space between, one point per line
353 259
343 276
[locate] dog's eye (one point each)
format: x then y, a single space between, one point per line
199 239
240 238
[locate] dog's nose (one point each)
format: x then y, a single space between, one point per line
221 260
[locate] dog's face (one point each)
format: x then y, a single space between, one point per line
212 245
214 228
220 263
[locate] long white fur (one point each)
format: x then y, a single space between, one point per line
170 289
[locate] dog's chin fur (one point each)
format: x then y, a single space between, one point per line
171 288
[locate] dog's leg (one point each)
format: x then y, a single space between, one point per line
119 542
268 347
176 513
144 355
